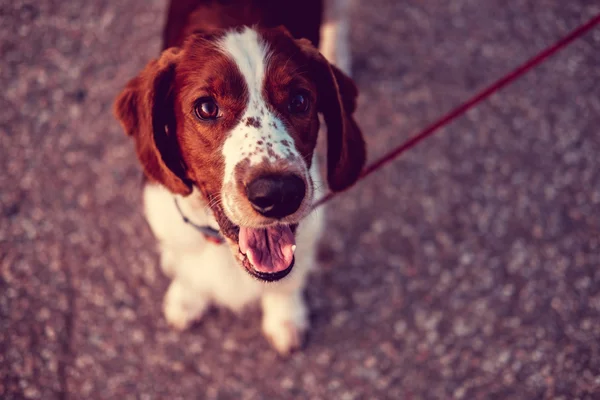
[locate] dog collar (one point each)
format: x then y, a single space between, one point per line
210 233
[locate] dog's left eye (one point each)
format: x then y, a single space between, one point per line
206 109
299 103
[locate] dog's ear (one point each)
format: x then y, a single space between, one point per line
337 93
145 109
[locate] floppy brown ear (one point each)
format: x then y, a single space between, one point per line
346 151
145 109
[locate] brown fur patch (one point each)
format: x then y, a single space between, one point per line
254 122
272 154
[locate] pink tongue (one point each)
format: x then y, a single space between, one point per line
268 250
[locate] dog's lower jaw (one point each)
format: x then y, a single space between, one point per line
244 263
264 276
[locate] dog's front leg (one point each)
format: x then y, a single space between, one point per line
182 305
285 319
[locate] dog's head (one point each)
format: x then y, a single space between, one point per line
235 113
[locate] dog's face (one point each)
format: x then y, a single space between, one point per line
235 113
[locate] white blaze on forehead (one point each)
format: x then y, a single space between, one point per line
259 135
250 54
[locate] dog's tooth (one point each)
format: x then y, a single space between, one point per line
293 248
250 256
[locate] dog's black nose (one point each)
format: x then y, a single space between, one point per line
276 196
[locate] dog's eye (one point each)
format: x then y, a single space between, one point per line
206 109
299 103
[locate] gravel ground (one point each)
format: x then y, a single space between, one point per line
482 244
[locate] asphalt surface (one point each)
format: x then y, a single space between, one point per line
468 269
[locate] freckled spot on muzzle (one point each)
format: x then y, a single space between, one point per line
254 122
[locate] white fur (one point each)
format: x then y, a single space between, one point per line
251 55
258 144
205 273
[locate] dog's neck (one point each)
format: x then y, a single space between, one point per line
195 208
209 233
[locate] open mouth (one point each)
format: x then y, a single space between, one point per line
269 252
265 253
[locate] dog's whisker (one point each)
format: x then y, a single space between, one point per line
215 200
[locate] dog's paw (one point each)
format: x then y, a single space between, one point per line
177 317
285 321
285 336
181 308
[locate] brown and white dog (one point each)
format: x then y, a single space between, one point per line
225 124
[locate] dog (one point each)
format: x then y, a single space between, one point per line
225 123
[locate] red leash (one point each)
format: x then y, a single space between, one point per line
472 102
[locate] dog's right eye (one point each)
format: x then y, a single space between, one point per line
206 109
299 103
